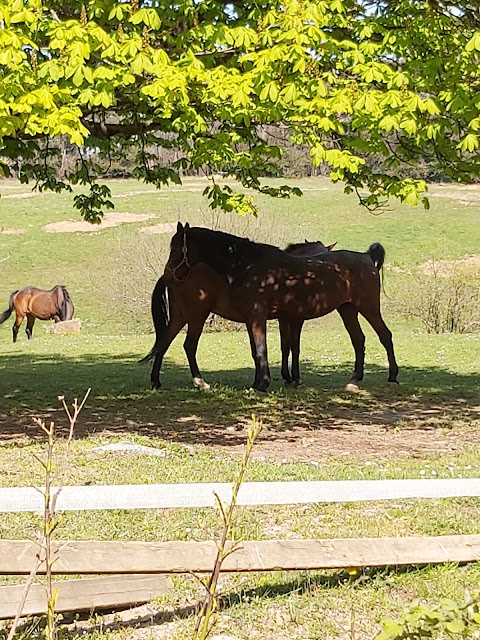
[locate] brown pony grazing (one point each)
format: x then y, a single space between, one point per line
191 300
37 304
266 283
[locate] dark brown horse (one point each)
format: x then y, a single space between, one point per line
190 301
266 283
37 304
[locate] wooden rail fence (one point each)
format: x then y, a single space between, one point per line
141 566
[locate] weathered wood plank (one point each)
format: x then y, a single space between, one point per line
164 496
88 557
85 595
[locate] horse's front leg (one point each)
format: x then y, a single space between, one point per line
295 333
257 331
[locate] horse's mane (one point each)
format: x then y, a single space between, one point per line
293 245
228 240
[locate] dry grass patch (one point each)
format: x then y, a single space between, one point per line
446 268
109 220
163 227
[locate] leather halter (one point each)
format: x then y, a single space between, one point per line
183 261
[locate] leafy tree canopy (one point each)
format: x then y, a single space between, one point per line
348 78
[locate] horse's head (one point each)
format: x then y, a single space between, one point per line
182 254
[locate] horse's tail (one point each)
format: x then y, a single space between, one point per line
66 306
6 314
161 316
377 254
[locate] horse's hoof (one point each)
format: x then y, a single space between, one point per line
297 384
155 387
393 383
352 388
199 383
262 392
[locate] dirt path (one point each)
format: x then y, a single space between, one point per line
388 431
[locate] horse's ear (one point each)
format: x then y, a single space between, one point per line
330 246
306 241
179 227
187 226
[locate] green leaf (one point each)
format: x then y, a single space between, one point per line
78 76
392 628
474 42
455 626
289 94
469 143
76 138
273 91
425 202
411 198
116 12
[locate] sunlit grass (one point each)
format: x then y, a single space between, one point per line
202 435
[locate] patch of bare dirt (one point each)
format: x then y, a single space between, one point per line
310 434
109 220
138 192
465 194
27 194
11 232
362 434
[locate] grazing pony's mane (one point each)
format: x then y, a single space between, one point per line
301 245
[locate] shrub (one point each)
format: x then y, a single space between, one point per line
445 619
445 297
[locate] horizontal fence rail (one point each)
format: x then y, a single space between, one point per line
169 496
106 557
86 594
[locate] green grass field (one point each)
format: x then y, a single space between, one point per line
429 427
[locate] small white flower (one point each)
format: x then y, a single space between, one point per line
422 472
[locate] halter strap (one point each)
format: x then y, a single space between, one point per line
183 261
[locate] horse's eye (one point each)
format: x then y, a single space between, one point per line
230 249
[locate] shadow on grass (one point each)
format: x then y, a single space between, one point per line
275 586
428 399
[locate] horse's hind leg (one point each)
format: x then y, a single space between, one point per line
30 323
16 326
284 327
257 331
173 329
349 315
385 336
190 346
